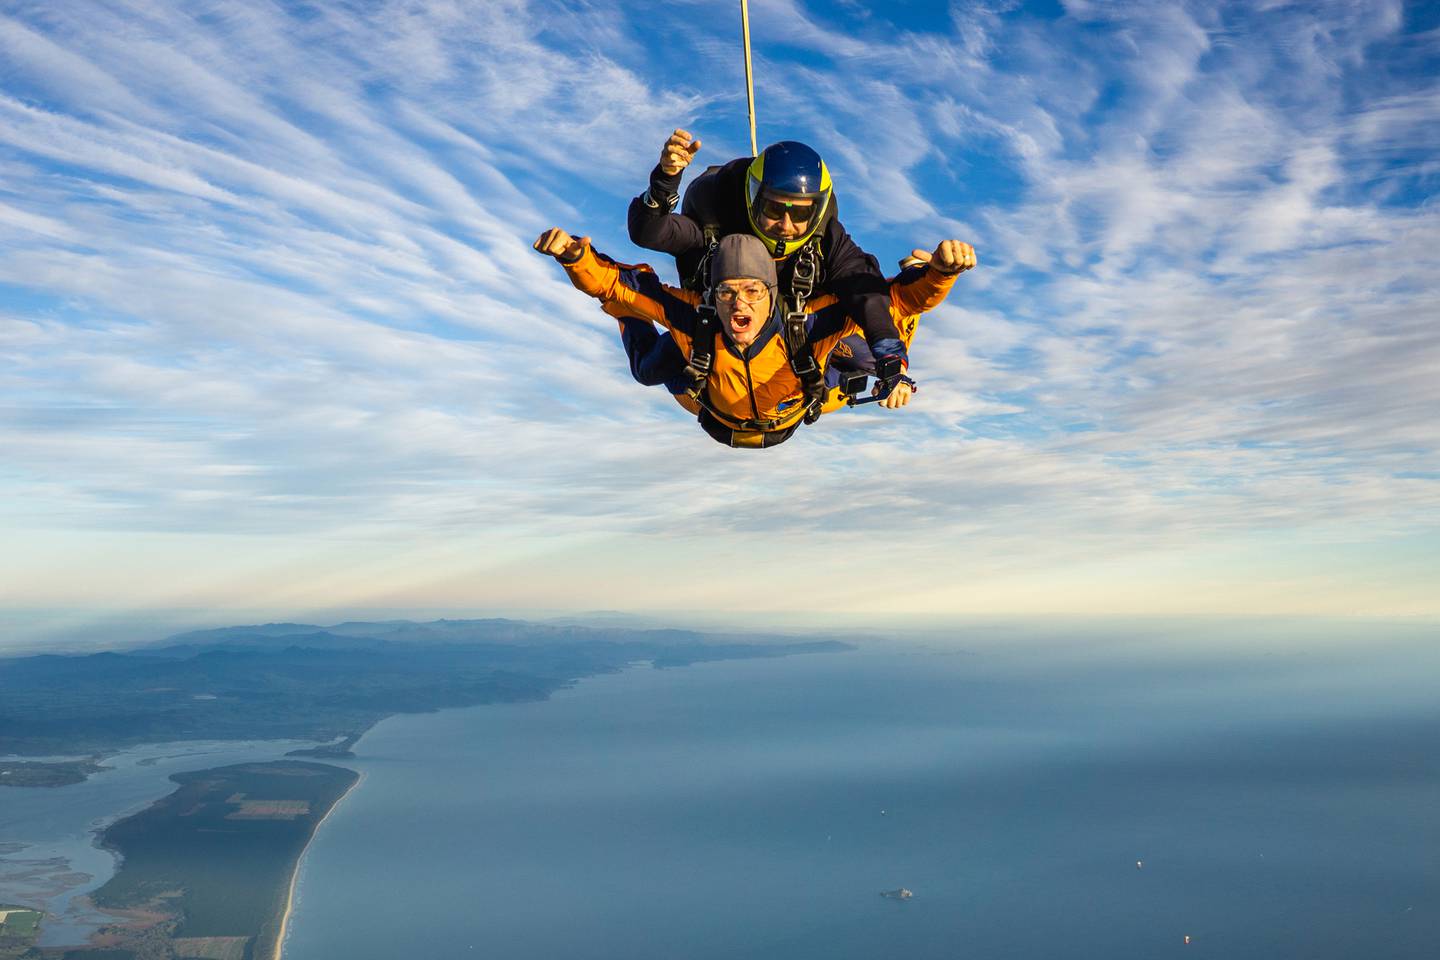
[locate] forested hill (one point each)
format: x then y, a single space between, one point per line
302 681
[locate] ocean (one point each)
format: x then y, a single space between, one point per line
1257 793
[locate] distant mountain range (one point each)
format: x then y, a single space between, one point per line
490 631
303 681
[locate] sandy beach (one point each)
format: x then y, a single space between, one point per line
299 862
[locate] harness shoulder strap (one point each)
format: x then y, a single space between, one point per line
702 350
797 333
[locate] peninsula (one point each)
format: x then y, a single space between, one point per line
208 871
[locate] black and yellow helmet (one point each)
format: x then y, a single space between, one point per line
787 180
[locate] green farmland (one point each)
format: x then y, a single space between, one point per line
218 853
18 929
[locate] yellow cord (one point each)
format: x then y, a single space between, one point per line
749 77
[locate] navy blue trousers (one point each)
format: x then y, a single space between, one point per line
654 358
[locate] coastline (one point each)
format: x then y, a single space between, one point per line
299 862
65 830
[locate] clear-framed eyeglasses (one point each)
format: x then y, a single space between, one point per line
745 292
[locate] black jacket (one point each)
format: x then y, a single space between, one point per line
718 196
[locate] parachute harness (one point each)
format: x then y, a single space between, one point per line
795 334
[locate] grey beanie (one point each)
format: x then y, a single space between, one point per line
743 255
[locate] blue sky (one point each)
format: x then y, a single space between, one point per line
273 342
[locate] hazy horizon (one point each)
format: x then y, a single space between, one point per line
38 631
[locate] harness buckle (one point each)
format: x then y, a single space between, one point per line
804 366
802 277
699 366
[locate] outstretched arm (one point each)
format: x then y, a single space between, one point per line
624 291
924 292
652 221
927 289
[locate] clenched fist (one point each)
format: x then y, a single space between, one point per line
950 257
560 245
677 153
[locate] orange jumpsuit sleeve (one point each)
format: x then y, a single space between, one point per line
629 291
922 294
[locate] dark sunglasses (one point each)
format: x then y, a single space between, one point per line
800 213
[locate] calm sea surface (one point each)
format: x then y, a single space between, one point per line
1275 800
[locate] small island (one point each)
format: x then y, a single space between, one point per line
209 870
36 773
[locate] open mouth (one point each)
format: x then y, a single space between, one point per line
739 324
